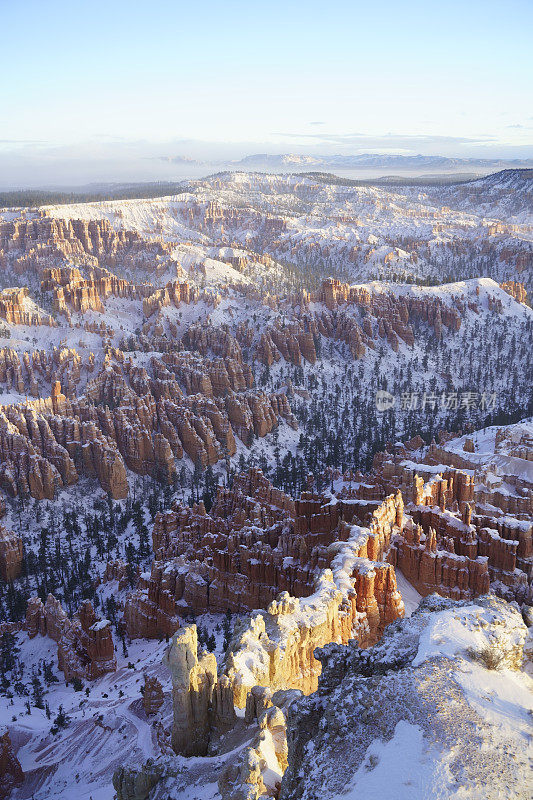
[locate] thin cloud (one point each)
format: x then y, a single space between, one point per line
22 141
388 140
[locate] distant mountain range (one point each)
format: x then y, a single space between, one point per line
295 161
375 160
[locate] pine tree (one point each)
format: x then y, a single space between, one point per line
37 692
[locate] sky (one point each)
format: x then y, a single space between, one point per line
109 89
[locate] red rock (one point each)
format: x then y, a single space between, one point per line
11 774
11 554
153 697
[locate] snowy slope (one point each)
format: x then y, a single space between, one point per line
359 231
423 715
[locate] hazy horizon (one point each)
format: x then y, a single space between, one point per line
68 170
105 93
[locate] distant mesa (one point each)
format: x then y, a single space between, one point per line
376 160
181 160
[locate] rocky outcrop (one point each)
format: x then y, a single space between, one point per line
284 640
40 451
232 558
193 682
16 308
116 570
11 774
470 523
72 292
175 293
129 419
388 309
258 770
47 619
153 697
36 372
151 611
379 316
135 784
85 644
440 570
41 243
423 684
516 290
11 554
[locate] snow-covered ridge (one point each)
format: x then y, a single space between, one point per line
440 708
506 195
362 231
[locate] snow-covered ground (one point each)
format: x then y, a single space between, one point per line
444 711
358 231
411 598
107 723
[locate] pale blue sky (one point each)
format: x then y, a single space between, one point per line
87 80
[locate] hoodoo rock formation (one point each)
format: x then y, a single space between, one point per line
153 697
516 290
11 554
17 309
42 243
129 419
85 648
381 316
233 557
193 683
332 587
177 344
464 537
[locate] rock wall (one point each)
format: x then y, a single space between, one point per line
381 316
251 531
151 611
233 558
11 774
11 554
355 599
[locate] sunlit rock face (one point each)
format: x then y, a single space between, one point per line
193 683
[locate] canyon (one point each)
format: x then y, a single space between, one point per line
258 441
